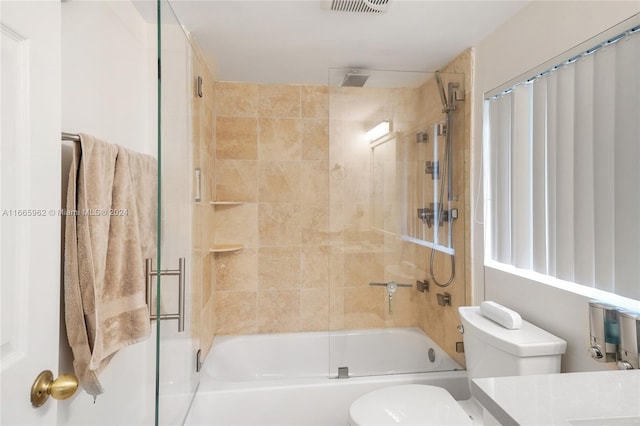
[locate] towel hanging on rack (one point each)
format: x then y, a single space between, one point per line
113 192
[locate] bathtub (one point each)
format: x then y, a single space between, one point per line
291 378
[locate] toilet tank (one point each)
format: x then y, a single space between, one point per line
493 351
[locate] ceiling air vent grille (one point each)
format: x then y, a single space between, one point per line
362 6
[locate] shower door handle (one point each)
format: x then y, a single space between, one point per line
180 273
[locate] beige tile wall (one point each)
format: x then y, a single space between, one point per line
437 321
309 251
271 154
361 254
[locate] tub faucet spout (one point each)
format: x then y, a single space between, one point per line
392 287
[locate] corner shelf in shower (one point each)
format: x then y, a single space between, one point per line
226 203
225 248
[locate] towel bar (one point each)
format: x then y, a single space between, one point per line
180 273
70 137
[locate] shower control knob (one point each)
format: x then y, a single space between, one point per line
460 329
595 352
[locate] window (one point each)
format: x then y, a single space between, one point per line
562 169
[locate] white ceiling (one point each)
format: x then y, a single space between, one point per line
297 41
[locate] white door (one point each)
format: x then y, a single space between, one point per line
29 202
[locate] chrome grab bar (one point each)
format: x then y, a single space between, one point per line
180 273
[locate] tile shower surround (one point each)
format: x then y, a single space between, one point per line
272 152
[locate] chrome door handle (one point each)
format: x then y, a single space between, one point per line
180 273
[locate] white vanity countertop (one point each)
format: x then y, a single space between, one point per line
593 398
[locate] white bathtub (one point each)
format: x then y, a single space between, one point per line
290 379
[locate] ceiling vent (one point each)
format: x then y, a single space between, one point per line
362 6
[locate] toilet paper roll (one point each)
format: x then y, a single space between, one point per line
503 316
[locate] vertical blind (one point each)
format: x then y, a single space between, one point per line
563 169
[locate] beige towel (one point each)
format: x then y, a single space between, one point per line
113 192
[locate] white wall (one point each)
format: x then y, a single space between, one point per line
108 74
105 73
540 32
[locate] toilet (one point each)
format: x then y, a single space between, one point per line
491 350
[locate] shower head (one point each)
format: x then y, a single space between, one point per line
443 96
354 79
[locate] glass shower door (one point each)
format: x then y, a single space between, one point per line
175 281
385 138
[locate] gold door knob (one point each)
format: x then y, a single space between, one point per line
61 388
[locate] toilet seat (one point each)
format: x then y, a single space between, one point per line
407 405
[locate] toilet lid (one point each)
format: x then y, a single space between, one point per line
408 405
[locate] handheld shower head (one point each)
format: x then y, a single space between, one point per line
443 96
